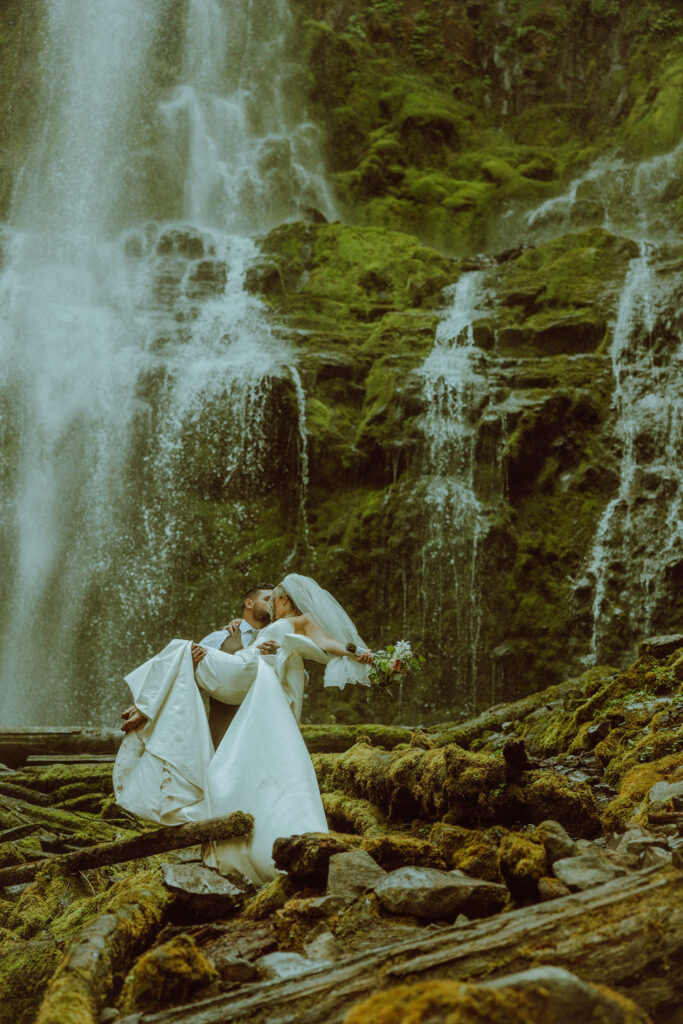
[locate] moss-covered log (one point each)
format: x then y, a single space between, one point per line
627 934
99 959
450 783
161 840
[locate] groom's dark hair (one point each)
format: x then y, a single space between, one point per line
256 588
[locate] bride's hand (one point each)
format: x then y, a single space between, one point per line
364 657
232 626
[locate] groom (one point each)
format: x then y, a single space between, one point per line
240 633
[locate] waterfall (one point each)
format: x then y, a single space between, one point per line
454 386
132 357
635 542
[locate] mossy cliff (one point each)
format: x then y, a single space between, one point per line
522 157
439 116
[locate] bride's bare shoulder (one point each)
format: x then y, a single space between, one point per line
300 622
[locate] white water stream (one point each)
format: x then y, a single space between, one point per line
117 344
455 388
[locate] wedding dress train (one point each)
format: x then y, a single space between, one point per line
167 770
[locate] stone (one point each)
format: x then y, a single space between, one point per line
208 278
556 840
241 940
235 970
434 895
661 646
666 796
585 871
656 857
285 965
547 995
597 732
461 920
108 1014
571 1000
202 891
306 857
353 873
321 944
552 889
633 842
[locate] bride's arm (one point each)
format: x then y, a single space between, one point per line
310 628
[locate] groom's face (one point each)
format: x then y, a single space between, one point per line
259 608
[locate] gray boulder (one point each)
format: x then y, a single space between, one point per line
201 891
285 965
586 871
555 996
664 795
434 895
556 840
353 873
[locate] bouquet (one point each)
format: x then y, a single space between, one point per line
393 664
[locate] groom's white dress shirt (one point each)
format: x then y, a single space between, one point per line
219 636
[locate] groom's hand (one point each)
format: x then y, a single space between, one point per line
198 654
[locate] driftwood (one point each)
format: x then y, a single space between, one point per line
17 745
160 840
627 934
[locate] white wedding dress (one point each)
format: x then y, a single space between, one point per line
167 771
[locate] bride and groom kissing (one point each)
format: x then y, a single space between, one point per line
173 767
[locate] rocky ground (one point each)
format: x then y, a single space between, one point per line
526 865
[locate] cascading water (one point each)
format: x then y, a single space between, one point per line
132 355
467 396
640 533
635 543
454 386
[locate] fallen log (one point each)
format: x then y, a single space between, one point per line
61 745
95 963
161 840
457 785
17 745
627 934
30 796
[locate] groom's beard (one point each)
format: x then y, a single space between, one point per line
262 617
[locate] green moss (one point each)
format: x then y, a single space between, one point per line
473 851
26 968
166 975
549 795
523 863
630 803
118 927
654 123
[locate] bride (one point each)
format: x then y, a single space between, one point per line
167 770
